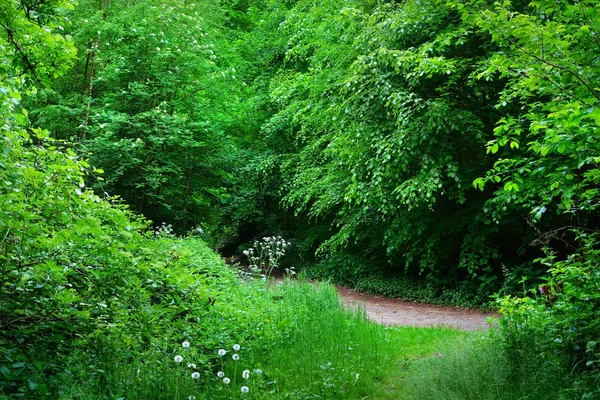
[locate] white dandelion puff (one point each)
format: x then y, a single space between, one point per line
235 357
185 344
245 389
222 352
220 374
246 374
196 375
178 359
236 347
226 381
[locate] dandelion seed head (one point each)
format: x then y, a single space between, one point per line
196 375
220 374
185 344
246 374
192 366
222 352
245 389
178 359
226 381
235 357
236 347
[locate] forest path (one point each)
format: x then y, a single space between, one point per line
405 313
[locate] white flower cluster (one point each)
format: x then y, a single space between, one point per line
265 254
221 374
164 231
245 373
179 358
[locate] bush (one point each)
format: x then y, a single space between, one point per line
356 273
555 326
78 272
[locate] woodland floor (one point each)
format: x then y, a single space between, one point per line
405 313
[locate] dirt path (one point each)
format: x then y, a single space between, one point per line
398 312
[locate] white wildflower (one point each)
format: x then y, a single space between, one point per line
235 357
236 347
246 374
185 344
220 374
196 375
222 352
178 359
226 381
245 389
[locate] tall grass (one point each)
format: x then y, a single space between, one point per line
299 343
330 353
334 353
479 369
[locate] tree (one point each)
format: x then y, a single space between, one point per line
151 109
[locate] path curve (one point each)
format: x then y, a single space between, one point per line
405 313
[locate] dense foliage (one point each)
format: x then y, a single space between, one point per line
146 99
436 150
387 112
94 304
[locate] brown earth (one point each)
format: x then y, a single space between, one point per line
405 313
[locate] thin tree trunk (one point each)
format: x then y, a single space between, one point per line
105 12
75 81
90 90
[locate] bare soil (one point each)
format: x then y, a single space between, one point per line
405 313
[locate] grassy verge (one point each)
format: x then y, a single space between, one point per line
184 327
296 341
477 367
334 354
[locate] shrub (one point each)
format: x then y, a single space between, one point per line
358 274
556 325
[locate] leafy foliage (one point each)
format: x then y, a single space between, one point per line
388 136
547 143
448 141
557 320
150 108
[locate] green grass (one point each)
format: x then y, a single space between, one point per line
335 354
468 369
477 367
298 334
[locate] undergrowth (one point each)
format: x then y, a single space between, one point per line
294 340
479 368
357 274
